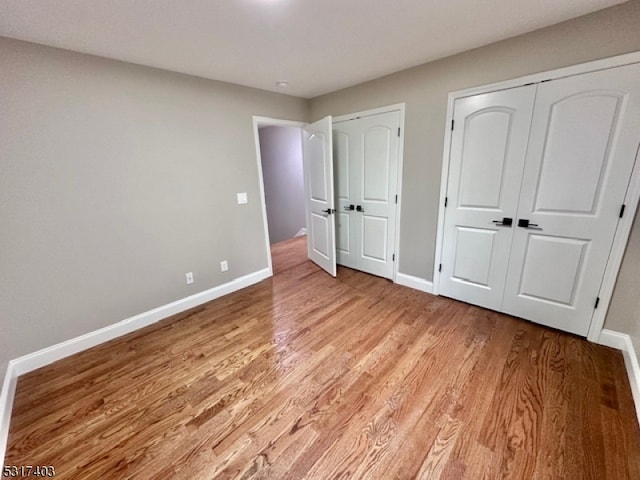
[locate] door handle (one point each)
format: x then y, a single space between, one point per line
506 221
329 211
524 223
359 208
350 207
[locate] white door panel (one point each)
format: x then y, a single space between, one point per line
488 148
374 238
583 142
474 250
319 194
376 159
544 257
481 182
366 159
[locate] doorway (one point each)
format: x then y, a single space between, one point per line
279 155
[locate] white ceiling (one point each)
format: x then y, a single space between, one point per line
317 45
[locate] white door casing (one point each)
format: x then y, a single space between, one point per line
583 142
488 149
366 153
319 194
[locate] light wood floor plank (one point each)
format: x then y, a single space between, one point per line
309 376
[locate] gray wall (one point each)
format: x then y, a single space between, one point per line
116 180
281 152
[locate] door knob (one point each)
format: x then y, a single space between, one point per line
506 221
329 211
359 208
350 207
524 223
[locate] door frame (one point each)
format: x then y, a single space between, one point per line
631 198
400 107
258 122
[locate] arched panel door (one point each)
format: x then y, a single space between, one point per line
319 196
488 148
582 147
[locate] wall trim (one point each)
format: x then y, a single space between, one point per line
416 283
46 356
622 341
6 405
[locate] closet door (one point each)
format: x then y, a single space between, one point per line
366 153
488 147
377 177
584 139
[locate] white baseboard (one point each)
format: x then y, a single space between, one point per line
33 361
46 356
302 232
416 283
622 341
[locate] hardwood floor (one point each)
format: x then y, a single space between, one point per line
306 376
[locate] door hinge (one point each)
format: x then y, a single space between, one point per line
452 123
440 267
597 302
446 200
396 198
393 257
622 210
398 131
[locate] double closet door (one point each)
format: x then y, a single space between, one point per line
537 179
365 156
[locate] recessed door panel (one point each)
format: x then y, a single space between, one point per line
374 238
474 250
592 118
488 148
341 160
343 230
484 157
317 165
553 268
376 157
320 232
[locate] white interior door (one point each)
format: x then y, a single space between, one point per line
583 143
366 153
319 195
488 147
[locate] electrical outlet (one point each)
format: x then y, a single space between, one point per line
189 278
242 198
224 266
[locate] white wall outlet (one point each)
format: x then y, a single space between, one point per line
224 266
189 277
242 198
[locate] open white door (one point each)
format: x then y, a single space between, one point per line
318 186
